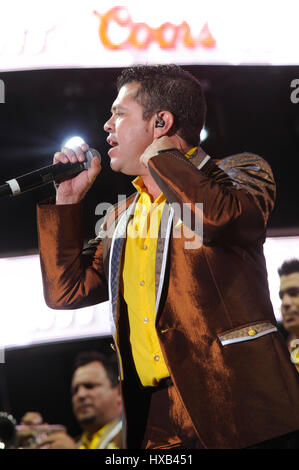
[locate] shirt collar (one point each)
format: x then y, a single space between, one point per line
191 153
87 441
139 185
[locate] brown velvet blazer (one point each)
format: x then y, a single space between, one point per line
214 318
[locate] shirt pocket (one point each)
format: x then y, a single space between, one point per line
247 332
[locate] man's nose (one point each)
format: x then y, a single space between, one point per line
81 392
286 301
108 126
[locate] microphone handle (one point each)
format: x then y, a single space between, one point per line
58 173
5 190
53 173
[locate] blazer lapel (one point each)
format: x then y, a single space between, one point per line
115 265
117 247
162 251
198 159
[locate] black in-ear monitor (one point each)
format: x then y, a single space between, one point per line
160 122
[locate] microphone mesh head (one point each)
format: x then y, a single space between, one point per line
90 154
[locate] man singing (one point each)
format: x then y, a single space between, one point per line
201 362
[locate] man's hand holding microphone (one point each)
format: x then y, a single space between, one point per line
72 191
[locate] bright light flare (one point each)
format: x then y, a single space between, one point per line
203 134
73 142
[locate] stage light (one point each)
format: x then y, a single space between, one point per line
203 134
73 142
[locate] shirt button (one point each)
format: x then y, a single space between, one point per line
142 283
144 247
156 357
145 320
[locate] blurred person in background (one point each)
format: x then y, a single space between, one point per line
32 418
289 294
96 405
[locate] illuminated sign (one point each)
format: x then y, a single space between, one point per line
94 33
141 35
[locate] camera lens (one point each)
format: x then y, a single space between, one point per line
7 430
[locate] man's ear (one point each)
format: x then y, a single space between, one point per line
163 123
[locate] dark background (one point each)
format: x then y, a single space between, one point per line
249 109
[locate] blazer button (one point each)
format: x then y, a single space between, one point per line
113 347
252 332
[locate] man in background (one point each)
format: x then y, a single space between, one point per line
96 405
289 294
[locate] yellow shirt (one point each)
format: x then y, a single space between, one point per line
94 441
138 284
293 346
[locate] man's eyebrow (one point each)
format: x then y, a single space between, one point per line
116 107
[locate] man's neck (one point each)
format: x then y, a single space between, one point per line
91 430
151 186
294 333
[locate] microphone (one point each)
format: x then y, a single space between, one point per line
49 174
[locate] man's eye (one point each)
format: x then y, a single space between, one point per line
86 386
293 292
89 386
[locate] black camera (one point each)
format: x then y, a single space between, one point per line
8 433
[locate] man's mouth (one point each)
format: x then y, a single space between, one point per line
83 407
112 141
291 317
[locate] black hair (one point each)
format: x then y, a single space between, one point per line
169 88
289 267
109 363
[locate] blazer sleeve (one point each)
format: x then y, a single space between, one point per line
237 194
71 279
